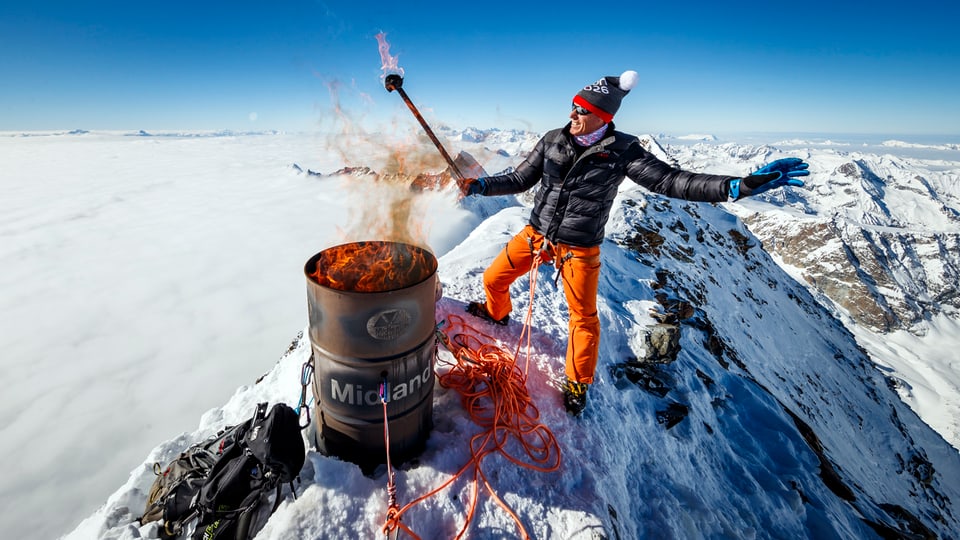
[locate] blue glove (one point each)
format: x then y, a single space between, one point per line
473 186
782 172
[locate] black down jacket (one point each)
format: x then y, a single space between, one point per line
573 200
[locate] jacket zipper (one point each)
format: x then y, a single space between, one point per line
551 230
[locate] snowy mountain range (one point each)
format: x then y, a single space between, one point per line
749 384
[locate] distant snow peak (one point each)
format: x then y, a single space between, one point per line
806 142
498 149
893 143
650 144
697 137
489 136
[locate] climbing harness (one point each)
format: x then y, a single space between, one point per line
543 254
546 254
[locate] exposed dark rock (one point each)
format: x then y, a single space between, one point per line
742 243
674 309
645 241
909 527
828 472
615 521
673 414
646 376
662 343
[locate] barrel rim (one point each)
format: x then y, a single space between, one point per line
310 266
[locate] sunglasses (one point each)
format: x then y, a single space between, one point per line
579 110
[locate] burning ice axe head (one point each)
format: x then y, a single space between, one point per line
393 82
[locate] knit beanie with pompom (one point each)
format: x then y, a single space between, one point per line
603 97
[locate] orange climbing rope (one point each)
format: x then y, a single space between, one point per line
393 509
528 319
493 391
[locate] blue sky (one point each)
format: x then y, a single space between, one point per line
705 67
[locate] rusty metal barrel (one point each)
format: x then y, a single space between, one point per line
372 310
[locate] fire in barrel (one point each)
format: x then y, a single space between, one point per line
372 308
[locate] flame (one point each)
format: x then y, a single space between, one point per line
391 172
373 266
389 63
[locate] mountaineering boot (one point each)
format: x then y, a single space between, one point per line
478 309
574 397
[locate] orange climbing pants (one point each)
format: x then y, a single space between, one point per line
579 269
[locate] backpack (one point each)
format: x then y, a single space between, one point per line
268 453
224 480
172 493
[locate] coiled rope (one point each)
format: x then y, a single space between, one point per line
493 391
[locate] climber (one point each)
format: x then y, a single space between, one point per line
577 169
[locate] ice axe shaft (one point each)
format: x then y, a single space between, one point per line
395 82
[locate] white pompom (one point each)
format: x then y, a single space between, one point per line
628 79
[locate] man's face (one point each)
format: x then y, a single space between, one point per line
582 124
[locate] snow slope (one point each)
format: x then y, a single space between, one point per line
771 422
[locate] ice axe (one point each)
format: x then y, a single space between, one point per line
395 82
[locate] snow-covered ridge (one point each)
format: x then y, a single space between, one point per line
768 419
901 144
183 206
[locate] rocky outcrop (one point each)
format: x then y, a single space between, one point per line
884 279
